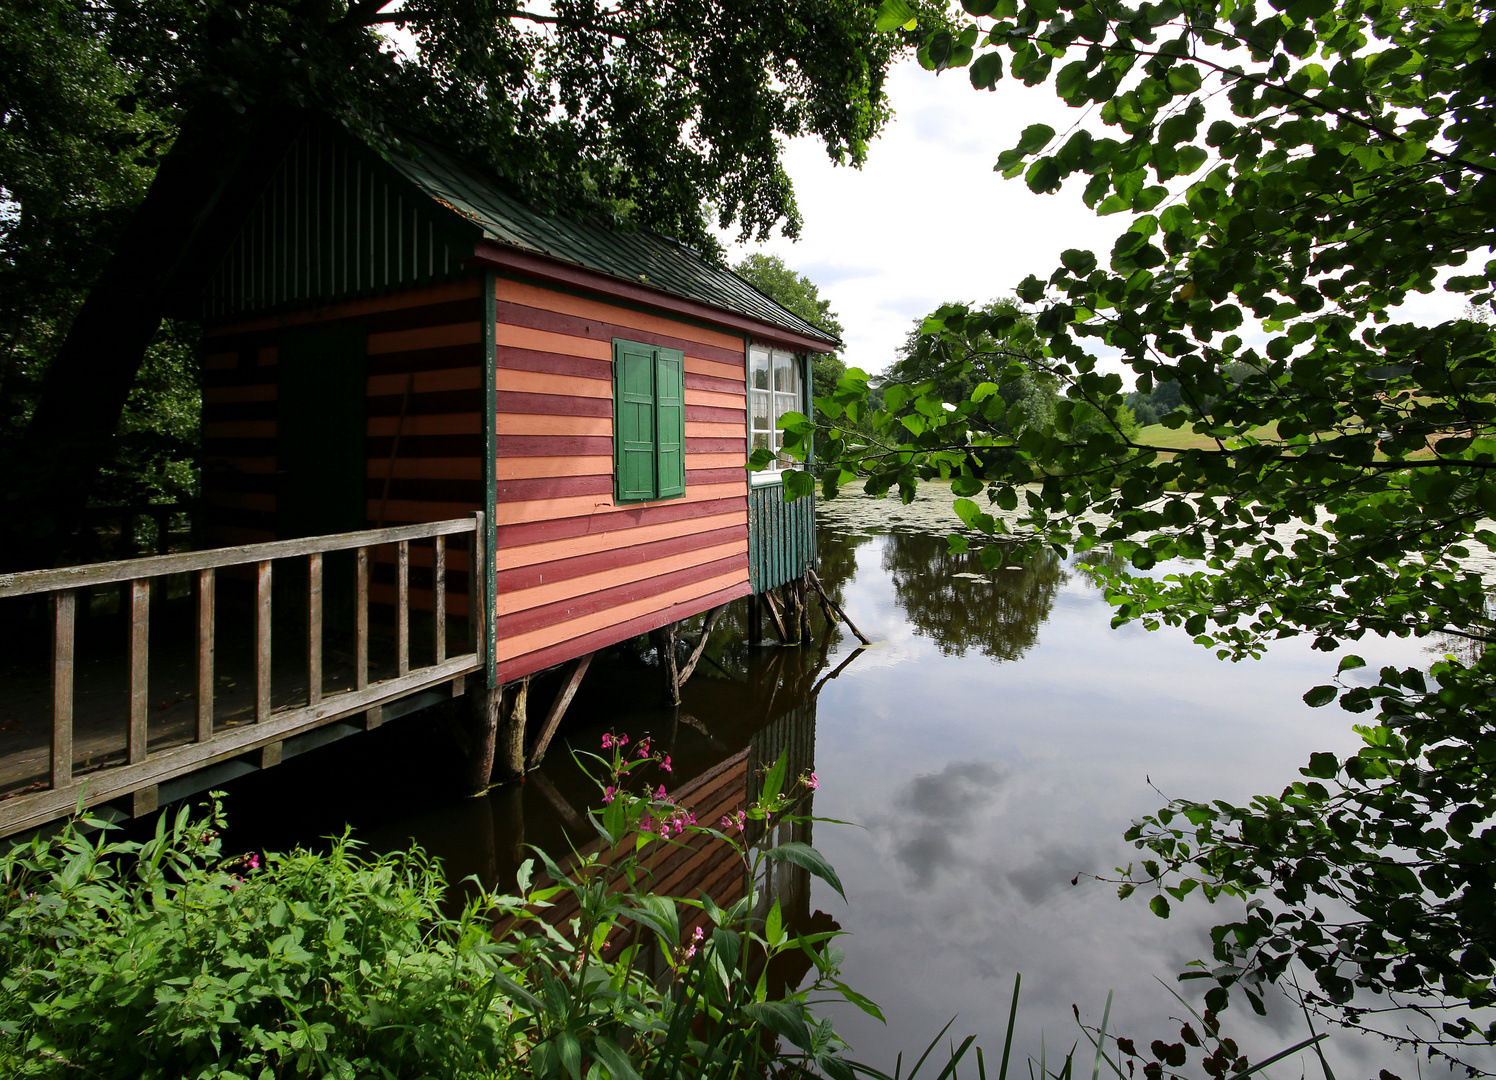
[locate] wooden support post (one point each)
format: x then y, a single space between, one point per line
695 658
802 596
63 643
485 706
773 606
145 800
439 596
206 596
269 755
402 608
558 710
511 741
833 606
664 640
262 641
755 620
140 636
314 628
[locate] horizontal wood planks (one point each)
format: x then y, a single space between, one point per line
575 570
423 410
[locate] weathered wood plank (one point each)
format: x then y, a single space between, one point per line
64 638
262 641
706 632
37 581
34 808
206 597
361 620
439 599
402 607
140 700
314 628
558 710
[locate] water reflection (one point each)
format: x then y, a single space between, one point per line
951 600
995 744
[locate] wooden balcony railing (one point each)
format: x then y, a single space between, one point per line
142 767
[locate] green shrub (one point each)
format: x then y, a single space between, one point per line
163 959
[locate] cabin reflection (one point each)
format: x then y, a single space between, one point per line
771 710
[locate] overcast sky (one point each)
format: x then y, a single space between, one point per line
927 220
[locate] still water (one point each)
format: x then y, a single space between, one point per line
994 744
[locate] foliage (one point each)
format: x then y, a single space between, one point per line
770 276
1342 480
163 959
75 155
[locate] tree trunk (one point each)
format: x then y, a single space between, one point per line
188 211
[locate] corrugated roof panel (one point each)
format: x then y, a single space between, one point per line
642 257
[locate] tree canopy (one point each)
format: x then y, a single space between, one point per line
1286 176
770 276
125 119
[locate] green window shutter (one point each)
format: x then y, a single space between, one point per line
670 421
633 421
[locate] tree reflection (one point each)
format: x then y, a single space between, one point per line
951 600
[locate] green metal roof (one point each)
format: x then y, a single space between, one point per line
641 258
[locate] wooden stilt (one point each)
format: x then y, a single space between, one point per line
511 741
755 620
695 658
484 708
558 710
802 604
773 606
665 649
833 606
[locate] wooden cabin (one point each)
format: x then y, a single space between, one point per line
397 340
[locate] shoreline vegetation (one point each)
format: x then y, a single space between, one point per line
164 958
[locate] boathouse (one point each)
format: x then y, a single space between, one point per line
397 354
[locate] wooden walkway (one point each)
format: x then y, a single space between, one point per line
228 689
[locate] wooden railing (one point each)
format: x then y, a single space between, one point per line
142 769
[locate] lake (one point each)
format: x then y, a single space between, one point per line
992 747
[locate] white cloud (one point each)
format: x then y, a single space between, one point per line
927 220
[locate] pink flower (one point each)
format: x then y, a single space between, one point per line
621 740
665 763
607 741
254 862
660 794
646 824
608 794
696 936
812 781
644 748
734 822
690 952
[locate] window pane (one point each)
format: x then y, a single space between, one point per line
760 410
758 368
784 372
761 440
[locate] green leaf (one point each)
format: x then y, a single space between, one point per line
1159 905
895 15
807 858
1349 662
1319 696
1035 137
987 71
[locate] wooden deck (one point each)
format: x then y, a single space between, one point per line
238 665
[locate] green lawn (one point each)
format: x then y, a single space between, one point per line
1183 438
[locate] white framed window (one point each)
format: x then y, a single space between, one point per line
774 388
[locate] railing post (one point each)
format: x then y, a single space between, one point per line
140 699
206 588
439 596
478 621
402 607
361 621
314 628
262 641
63 638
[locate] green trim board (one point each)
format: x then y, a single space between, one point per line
649 422
490 479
